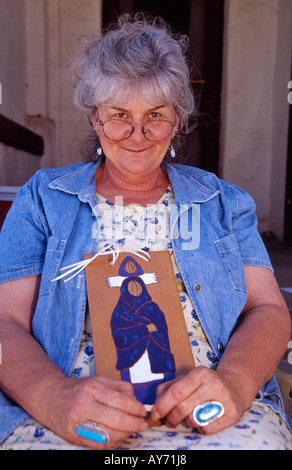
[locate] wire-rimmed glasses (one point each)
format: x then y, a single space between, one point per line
157 130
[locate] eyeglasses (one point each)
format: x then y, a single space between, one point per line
155 131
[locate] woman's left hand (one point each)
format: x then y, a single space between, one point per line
177 399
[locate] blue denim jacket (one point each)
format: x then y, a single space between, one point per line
50 226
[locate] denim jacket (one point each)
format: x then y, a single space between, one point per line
50 225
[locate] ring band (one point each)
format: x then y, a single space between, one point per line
207 412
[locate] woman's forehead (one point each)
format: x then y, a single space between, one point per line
147 94
135 105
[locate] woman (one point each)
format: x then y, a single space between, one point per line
133 83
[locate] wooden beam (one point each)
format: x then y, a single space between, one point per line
20 137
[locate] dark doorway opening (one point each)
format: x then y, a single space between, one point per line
202 21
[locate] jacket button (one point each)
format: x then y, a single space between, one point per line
197 287
220 347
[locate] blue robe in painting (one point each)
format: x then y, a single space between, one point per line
132 337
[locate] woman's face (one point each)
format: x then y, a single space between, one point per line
135 156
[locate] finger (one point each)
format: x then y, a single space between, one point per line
114 439
112 419
214 427
112 394
183 411
118 425
175 394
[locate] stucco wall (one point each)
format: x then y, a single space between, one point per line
38 38
12 55
15 166
256 70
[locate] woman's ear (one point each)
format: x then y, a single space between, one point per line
90 119
177 121
93 120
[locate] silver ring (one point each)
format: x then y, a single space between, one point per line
92 432
207 412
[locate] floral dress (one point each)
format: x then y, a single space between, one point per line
131 228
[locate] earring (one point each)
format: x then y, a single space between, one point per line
172 151
99 151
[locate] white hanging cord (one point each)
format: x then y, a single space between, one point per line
80 265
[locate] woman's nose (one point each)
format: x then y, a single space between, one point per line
138 134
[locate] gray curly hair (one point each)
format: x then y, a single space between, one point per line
137 54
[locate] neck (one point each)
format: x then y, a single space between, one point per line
140 189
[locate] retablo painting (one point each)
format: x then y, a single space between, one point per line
138 328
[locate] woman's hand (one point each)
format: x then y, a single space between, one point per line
242 370
108 403
177 399
59 403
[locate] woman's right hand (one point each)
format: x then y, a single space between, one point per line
30 379
108 403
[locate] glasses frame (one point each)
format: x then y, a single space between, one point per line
133 128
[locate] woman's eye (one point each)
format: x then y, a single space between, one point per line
121 115
154 115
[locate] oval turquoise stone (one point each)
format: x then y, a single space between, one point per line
208 412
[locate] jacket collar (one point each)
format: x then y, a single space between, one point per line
80 181
186 186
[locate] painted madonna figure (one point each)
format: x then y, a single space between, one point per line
132 82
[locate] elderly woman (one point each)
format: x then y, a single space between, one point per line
133 83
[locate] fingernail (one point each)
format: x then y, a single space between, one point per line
155 415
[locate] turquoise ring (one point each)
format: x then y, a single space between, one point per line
92 432
207 412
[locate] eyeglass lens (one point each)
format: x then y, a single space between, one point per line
116 129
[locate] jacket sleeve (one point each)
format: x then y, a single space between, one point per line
244 224
23 238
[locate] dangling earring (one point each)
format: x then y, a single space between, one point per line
99 151
172 151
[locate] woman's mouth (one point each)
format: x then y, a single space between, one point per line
136 150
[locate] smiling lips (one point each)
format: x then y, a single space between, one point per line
136 150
